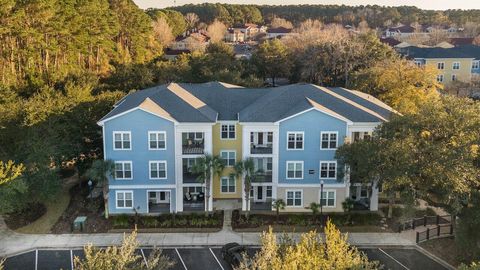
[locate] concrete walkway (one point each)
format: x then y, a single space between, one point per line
13 243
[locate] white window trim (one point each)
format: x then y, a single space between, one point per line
150 171
440 76
301 198
157 132
453 65
234 185
443 65
334 197
235 132
123 167
475 64
295 142
294 161
122 132
328 164
227 151
124 192
328 132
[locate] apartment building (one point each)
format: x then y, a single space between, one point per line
156 135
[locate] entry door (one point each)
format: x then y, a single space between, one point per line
159 196
260 196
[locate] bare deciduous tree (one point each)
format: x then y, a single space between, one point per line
216 31
192 20
280 22
162 31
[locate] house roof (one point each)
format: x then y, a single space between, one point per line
280 30
466 51
402 29
390 41
461 41
212 101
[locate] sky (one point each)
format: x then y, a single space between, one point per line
424 4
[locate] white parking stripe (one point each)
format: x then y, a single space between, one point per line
181 260
36 259
71 258
144 259
216 259
393 259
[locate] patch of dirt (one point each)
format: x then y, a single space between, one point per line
82 205
20 219
444 248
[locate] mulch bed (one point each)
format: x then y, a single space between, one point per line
31 213
300 221
82 205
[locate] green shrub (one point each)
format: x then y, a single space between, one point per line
150 222
121 222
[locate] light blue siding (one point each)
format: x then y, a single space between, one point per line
139 123
140 201
312 123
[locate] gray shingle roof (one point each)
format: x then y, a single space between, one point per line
467 51
226 102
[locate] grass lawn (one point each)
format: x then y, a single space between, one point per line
444 248
55 209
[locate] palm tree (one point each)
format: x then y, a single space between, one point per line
314 208
99 172
246 169
206 167
278 204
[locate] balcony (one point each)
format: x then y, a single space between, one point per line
261 143
264 177
193 143
193 199
188 176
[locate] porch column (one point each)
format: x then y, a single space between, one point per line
374 197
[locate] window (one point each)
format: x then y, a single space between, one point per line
294 169
158 169
456 65
295 140
228 184
329 140
364 192
439 78
228 158
358 136
475 64
269 192
228 131
157 140
294 198
327 198
122 140
440 65
328 169
454 77
123 170
124 199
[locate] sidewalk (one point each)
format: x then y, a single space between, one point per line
13 243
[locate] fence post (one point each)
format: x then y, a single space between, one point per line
413 224
424 221
438 230
438 219
451 229
418 237
428 233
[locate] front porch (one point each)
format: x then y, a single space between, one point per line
193 199
159 201
261 206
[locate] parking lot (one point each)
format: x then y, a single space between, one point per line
199 258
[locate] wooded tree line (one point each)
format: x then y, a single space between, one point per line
63 64
374 15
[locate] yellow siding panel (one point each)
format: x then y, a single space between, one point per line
233 145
